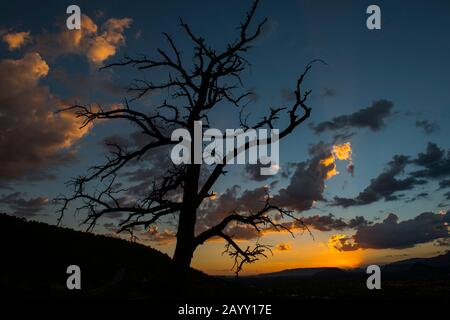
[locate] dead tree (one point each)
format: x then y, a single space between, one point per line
197 87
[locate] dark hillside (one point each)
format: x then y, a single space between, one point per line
35 257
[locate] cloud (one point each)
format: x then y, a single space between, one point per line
435 162
253 172
308 180
384 186
330 222
321 223
5 186
54 44
443 184
390 233
422 195
243 232
342 242
105 45
427 126
228 202
27 114
15 40
373 118
443 242
235 201
306 186
147 172
283 247
328 92
22 207
153 234
96 43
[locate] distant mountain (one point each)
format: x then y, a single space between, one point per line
302 272
413 265
422 264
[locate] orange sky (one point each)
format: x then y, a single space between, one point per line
303 252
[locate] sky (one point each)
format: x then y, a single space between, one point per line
369 172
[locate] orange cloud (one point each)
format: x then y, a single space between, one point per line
15 40
96 43
342 151
339 152
342 242
283 247
28 115
105 45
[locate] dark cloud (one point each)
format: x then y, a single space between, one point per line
328 92
435 162
151 168
5 186
306 186
321 223
330 222
233 201
385 186
390 233
324 223
447 195
308 181
427 126
24 207
230 201
443 205
288 169
443 184
372 117
253 172
419 196
242 232
343 137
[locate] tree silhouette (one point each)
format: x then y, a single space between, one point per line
212 77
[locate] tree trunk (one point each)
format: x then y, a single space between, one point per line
185 247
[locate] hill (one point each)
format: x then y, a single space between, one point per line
35 257
437 262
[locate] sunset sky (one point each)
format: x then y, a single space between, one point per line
369 172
